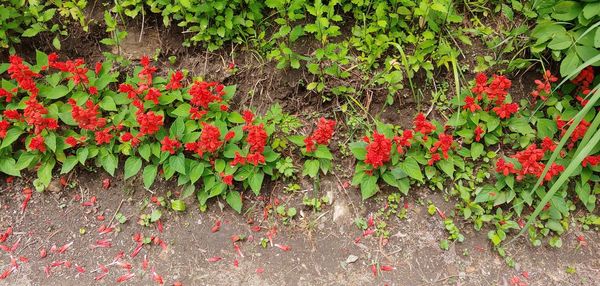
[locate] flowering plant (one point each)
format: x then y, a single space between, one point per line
315 147
63 112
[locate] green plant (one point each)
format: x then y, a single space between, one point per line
569 30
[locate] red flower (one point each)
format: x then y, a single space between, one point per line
103 136
530 161
378 151
554 170
98 68
238 159
145 75
444 143
324 132
505 168
423 126
34 112
23 75
224 107
37 143
204 93
577 134
548 144
127 88
248 117
71 141
478 132
310 144
93 90
196 114
87 118
506 110
255 158
4 125
480 85
229 135
126 137
498 89
76 68
434 158
175 82
209 140
153 95
169 145
149 122
592 160
227 179
12 114
257 138
403 141
471 105
5 93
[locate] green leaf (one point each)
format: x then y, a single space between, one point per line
368 187
412 169
323 152
234 199
196 172
447 166
183 110
69 164
132 167
25 160
108 104
11 136
359 150
178 205
82 154
476 150
569 63
255 181
7 166
149 175
546 128
521 125
53 92
45 171
297 139
109 163
311 168
155 215
178 163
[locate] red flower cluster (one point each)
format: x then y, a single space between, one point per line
478 132
209 140
34 112
74 141
577 134
444 143
204 93
471 104
76 68
87 118
23 75
103 136
530 160
145 75
543 87
227 179
149 122
128 137
378 151
322 135
5 93
152 95
423 126
592 160
498 89
505 110
584 80
403 141
169 145
175 82
4 125
548 144
37 143
257 139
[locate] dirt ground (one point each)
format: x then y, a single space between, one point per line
323 246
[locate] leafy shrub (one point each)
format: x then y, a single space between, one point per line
28 18
64 113
570 30
461 150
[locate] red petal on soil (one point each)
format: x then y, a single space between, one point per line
64 247
216 227
104 229
260 270
374 269
6 234
124 265
56 263
236 263
177 283
441 213
23 259
100 218
101 276
159 226
25 202
214 259
255 228
43 253
5 248
283 247
15 245
368 232
63 181
238 249
387 268
79 269
103 243
371 222
106 183
157 278
137 237
120 255
47 270
145 263
103 268
136 250
525 274
67 264
125 277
